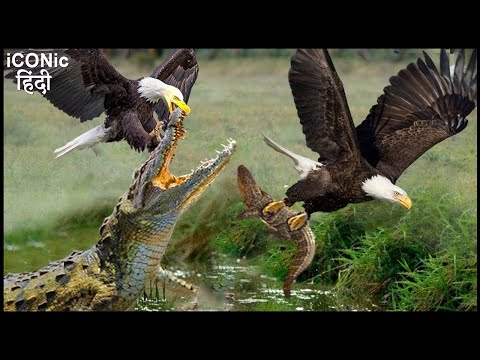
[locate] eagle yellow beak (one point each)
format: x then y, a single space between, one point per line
404 200
181 104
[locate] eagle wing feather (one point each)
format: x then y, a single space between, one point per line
179 70
322 107
422 107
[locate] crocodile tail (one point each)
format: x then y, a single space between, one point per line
303 258
88 139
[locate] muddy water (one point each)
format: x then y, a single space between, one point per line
237 286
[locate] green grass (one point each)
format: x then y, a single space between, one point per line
382 251
442 283
396 264
240 238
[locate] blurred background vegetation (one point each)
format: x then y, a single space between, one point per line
372 253
151 55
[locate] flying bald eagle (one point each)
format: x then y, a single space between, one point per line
90 85
421 107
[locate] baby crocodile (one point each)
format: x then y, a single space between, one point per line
285 223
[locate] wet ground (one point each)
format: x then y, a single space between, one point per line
236 286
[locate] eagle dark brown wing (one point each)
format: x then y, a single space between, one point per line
421 107
322 106
179 70
80 88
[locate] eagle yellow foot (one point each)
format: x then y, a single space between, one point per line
296 222
273 207
156 131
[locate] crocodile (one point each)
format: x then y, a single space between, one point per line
113 274
285 223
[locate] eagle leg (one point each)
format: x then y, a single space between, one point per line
156 132
296 222
273 207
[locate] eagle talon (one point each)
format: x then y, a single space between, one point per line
273 207
297 222
156 132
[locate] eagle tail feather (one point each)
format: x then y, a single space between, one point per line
281 149
88 139
302 164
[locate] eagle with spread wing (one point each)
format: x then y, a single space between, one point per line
90 86
422 106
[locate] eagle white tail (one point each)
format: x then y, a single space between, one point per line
88 139
302 164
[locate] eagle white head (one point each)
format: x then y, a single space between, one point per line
153 90
379 187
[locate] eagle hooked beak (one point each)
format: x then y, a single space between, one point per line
404 200
180 103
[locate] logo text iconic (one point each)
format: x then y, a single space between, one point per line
39 77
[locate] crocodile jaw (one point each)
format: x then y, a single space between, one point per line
199 180
176 194
157 191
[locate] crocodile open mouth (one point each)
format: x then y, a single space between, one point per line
166 180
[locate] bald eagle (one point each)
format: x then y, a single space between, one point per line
90 86
421 107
